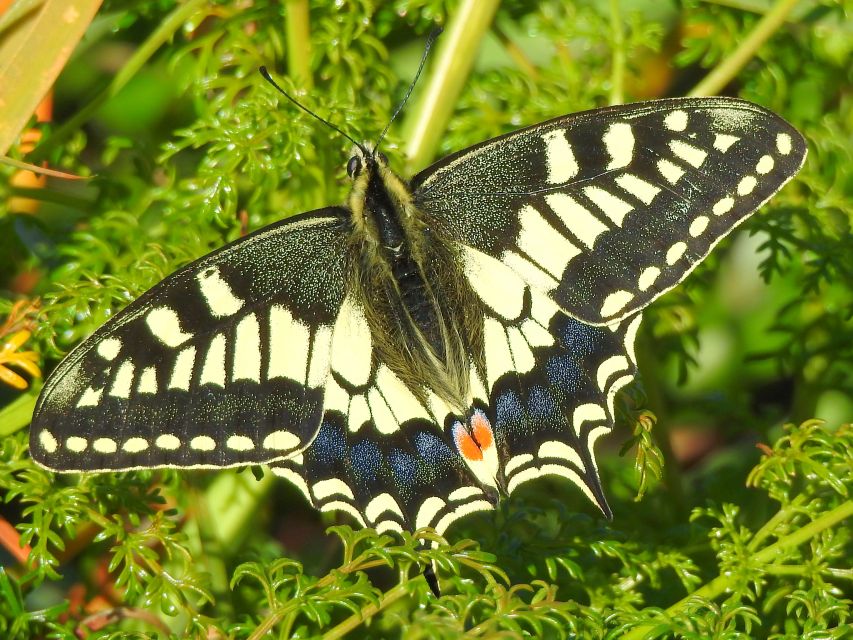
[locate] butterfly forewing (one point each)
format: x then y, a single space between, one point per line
223 363
607 209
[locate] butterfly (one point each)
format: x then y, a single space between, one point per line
420 352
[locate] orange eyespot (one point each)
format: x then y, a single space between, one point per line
465 444
482 430
472 445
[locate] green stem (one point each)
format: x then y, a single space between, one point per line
617 76
162 35
721 584
457 50
715 81
298 37
367 612
781 516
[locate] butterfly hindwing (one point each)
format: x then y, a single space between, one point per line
607 209
223 363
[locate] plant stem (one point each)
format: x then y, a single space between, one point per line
298 36
715 81
366 613
457 51
617 75
722 583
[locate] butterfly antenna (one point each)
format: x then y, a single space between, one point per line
430 40
266 74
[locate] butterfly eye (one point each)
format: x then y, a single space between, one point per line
354 167
382 158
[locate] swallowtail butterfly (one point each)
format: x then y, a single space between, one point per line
413 356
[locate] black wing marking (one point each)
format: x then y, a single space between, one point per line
606 210
221 364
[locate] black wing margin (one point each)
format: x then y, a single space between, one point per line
240 337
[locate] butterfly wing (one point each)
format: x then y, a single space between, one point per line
223 363
606 210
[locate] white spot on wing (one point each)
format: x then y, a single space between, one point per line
167 441
498 355
543 243
289 344
561 451
559 157
108 349
203 443
217 293
295 479
463 493
76 444
647 278
166 326
494 282
123 380
746 185
637 187
676 120
359 413
765 165
606 369
723 205
614 208
528 271
588 412
213 370
619 142
783 143
281 441
579 220
515 462
351 344
148 381
675 252
428 510
326 488
687 152
321 356
669 170
722 141
247 350
105 445
135 445
615 303
380 504
48 441
183 371
90 398
240 443
698 226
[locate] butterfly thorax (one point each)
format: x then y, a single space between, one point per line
409 283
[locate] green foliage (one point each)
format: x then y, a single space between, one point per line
189 148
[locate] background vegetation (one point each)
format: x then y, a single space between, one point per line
732 500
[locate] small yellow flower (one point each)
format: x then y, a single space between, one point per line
23 360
